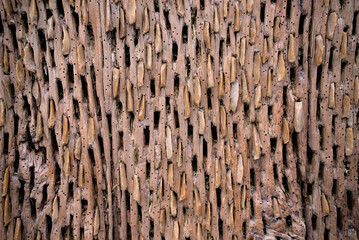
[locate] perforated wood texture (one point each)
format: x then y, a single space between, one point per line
179 119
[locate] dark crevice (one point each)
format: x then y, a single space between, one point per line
102 149
295 142
252 178
176 84
157 116
121 140
285 184
264 225
218 195
153 88
209 100
33 207
168 23
335 155
128 200
252 207
228 38
350 199
146 133
321 171
6 143
343 71
190 131
84 205
321 132
202 4
128 232
301 23
288 8
204 148
152 230
136 37
220 228
92 157
221 43
292 75
70 72
84 87
168 105
214 133
32 177
331 56
60 8
244 229
193 15
28 139
285 95
71 190
309 189
300 57
139 212
24 21
314 222
309 155
16 162
234 130
21 192
176 118
1 27
53 140
57 174
77 20
157 7
263 10
60 90
174 52
13 36
270 113
42 40
326 234
64 232
288 220
188 66
48 226
275 171
148 170
132 120
127 56
334 187
90 32
355 19
45 70
109 123
194 164
76 108
185 34
339 218
97 100
273 144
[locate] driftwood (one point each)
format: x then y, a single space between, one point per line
221 119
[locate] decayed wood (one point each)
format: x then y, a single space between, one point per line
179 119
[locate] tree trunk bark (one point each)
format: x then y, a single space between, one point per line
179 119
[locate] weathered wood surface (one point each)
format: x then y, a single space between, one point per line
179 119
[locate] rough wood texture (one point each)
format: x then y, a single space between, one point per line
179 119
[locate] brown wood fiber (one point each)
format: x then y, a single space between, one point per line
199 119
